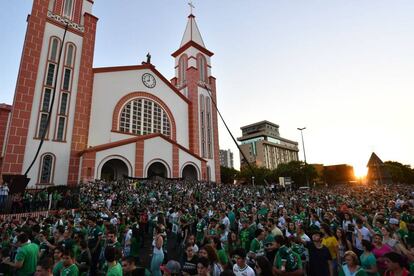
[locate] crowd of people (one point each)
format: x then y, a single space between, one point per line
179 227
37 200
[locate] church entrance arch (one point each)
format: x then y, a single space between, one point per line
189 172
157 169
114 169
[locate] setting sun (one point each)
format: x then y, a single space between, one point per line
360 171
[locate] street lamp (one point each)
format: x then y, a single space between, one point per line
301 129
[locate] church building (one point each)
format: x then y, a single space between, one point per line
106 123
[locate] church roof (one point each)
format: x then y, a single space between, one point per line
192 33
136 139
140 67
374 161
192 38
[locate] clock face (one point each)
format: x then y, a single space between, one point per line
148 80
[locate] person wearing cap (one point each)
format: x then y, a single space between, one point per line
240 268
171 268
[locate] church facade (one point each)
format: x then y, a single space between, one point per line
106 123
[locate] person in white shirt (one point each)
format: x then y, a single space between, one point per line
225 220
240 268
4 192
360 233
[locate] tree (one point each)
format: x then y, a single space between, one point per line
400 173
228 175
261 174
298 171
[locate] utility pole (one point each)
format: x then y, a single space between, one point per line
304 153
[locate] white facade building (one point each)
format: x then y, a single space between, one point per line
106 122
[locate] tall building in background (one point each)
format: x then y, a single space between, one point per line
263 146
226 158
106 122
338 174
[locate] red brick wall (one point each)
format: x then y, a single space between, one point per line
88 166
83 98
175 161
193 129
77 11
4 117
25 89
139 158
203 171
58 7
215 132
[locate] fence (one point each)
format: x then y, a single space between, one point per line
37 214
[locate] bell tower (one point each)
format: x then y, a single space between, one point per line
193 79
54 85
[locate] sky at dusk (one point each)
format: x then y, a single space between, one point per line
342 69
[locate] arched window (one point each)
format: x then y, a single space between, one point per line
182 68
51 5
49 81
54 49
47 162
69 54
203 126
202 67
209 132
64 99
143 116
68 8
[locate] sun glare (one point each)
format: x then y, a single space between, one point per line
360 171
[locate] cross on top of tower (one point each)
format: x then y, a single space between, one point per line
191 6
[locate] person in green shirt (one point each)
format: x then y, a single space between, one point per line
244 235
44 267
351 267
26 258
232 217
69 266
114 267
221 252
43 246
58 261
201 228
256 246
286 260
84 259
368 260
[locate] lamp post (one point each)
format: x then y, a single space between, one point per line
301 129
